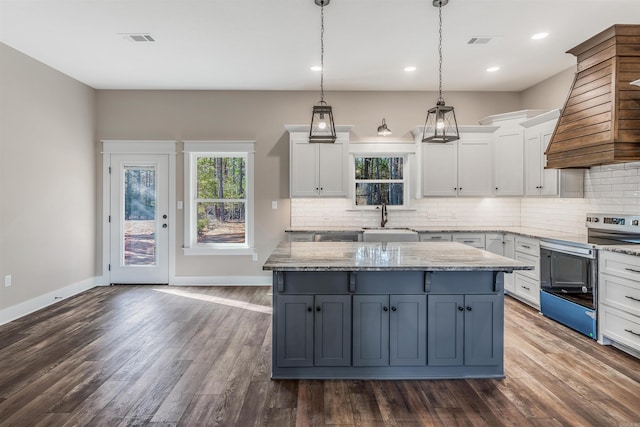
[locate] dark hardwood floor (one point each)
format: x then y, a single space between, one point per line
196 356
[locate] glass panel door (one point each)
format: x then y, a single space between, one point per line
139 219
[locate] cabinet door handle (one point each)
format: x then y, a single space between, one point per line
468 308
496 188
632 298
461 308
318 308
393 309
632 270
631 332
385 308
308 308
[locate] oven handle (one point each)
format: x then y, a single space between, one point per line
571 250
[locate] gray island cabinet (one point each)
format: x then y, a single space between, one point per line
413 310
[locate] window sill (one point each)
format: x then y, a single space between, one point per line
219 251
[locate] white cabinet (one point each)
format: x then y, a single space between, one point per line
508 158
435 237
538 180
509 252
494 242
471 239
459 168
318 169
527 282
508 151
619 301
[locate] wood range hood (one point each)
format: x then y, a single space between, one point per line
600 121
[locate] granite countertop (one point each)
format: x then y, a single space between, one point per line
400 256
622 249
537 233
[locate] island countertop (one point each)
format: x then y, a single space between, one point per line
386 256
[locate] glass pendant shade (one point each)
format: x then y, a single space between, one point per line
322 128
441 124
636 82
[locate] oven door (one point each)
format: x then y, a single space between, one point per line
568 276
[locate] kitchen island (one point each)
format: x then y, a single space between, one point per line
412 310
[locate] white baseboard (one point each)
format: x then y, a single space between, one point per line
221 280
22 309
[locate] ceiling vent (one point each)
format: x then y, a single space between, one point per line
140 37
479 40
600 121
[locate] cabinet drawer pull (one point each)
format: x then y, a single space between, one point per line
632 298
525 287
436 237
526 246
631 332
632 270
468 241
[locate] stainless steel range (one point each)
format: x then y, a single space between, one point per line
569 270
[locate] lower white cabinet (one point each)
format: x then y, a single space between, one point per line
435 237
494 242
526 285
472 239
509 252
619 300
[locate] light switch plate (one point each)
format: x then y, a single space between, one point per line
274 204
7 280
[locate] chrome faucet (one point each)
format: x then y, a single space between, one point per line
384 214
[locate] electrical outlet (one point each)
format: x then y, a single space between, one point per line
274 204
7 280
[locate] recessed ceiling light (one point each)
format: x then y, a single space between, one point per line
493 69
410 68
539 36
316 68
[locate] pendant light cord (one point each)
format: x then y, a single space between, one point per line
322 53
440 99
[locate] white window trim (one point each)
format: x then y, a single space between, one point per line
193 149
406 180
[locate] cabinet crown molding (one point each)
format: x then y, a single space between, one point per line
305 128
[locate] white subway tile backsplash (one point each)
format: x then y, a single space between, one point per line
610 189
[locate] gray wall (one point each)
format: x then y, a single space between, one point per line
550 93
261 116
47 179
50 166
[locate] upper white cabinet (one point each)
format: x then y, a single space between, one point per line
538 180
318 169
458 168
508 151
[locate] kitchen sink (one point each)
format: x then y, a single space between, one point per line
389 235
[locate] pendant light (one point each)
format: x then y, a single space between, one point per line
322 127
636 82
440 125
383 130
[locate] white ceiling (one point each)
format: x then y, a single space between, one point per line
271 45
